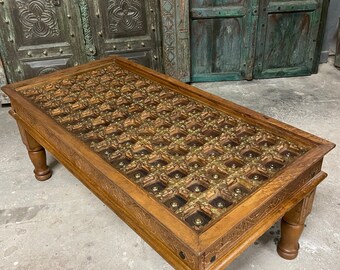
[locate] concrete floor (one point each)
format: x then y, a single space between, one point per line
59 224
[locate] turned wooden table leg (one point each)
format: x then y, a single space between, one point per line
37 155
292 225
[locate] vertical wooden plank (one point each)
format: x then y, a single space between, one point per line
321 34
3 97
201 31
337 53
175 38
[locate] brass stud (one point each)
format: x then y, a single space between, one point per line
256 177
220 205
196 165
177 176
215 176
69 16
138 175
198 221
197 189
174 204
114 47
238 191
29 53
155 189
45 52
143 44
72 34
129 45
61 50
100 33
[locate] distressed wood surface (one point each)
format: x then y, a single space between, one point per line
222 39
32 44
73 32
337 53
287 37
176 38
130 28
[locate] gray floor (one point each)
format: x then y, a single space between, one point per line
59 224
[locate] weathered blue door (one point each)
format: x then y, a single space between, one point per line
222 39
287 36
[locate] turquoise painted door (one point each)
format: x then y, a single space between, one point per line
222 37
287 36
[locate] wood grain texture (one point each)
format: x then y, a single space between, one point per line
337 53
288 32
217 245
222 39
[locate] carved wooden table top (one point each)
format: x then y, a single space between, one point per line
196 158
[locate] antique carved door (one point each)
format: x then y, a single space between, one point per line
287 35
130 28
222 39
39 36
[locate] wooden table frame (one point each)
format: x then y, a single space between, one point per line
290 195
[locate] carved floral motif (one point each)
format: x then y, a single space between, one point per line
126 15
38 18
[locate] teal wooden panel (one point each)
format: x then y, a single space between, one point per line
287 36
222 39
215 46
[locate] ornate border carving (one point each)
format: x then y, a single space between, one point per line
85 19
175 28
231 238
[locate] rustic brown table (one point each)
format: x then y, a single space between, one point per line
197 177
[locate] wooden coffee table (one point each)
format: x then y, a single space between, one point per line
197 177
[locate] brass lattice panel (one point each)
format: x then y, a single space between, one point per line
197 161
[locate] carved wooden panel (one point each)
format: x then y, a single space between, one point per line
176 38
222 35
130 28
38 19
287 37
195 160
39 36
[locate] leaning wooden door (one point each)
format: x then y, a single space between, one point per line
222 39
39 36
287 35
130 28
